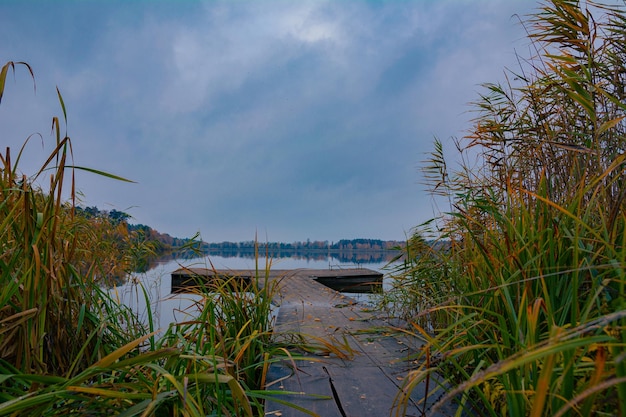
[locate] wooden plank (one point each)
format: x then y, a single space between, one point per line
367 373
354 280
185 279
352 346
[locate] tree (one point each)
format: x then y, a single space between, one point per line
119 216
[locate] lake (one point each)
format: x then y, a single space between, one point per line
170 308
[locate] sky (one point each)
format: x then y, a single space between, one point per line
275 119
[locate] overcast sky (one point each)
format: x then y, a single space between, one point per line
291 119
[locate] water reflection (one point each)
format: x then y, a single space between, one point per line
235 258
166 308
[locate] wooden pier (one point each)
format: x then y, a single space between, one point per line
358 363
353 280
183 279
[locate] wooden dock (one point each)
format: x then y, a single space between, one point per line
353 280
357 364
185 278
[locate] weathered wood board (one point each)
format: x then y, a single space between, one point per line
367 374
365 359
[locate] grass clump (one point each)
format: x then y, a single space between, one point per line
68 348
521 300
51 318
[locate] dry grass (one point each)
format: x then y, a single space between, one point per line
67 347
524 306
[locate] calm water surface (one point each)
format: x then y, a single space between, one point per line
170 308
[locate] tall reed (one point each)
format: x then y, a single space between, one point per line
49 318
233 322
67 347
532 318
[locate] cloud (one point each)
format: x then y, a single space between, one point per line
305 119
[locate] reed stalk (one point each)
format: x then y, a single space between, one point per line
529 317
68 348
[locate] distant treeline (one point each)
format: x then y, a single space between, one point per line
161 242
353 251
315 246
166 246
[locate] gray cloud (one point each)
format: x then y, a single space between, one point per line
296 119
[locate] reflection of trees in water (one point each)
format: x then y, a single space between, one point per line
341 257
171 256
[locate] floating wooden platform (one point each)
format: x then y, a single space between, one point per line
357 280
355 364
185 279
354 280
